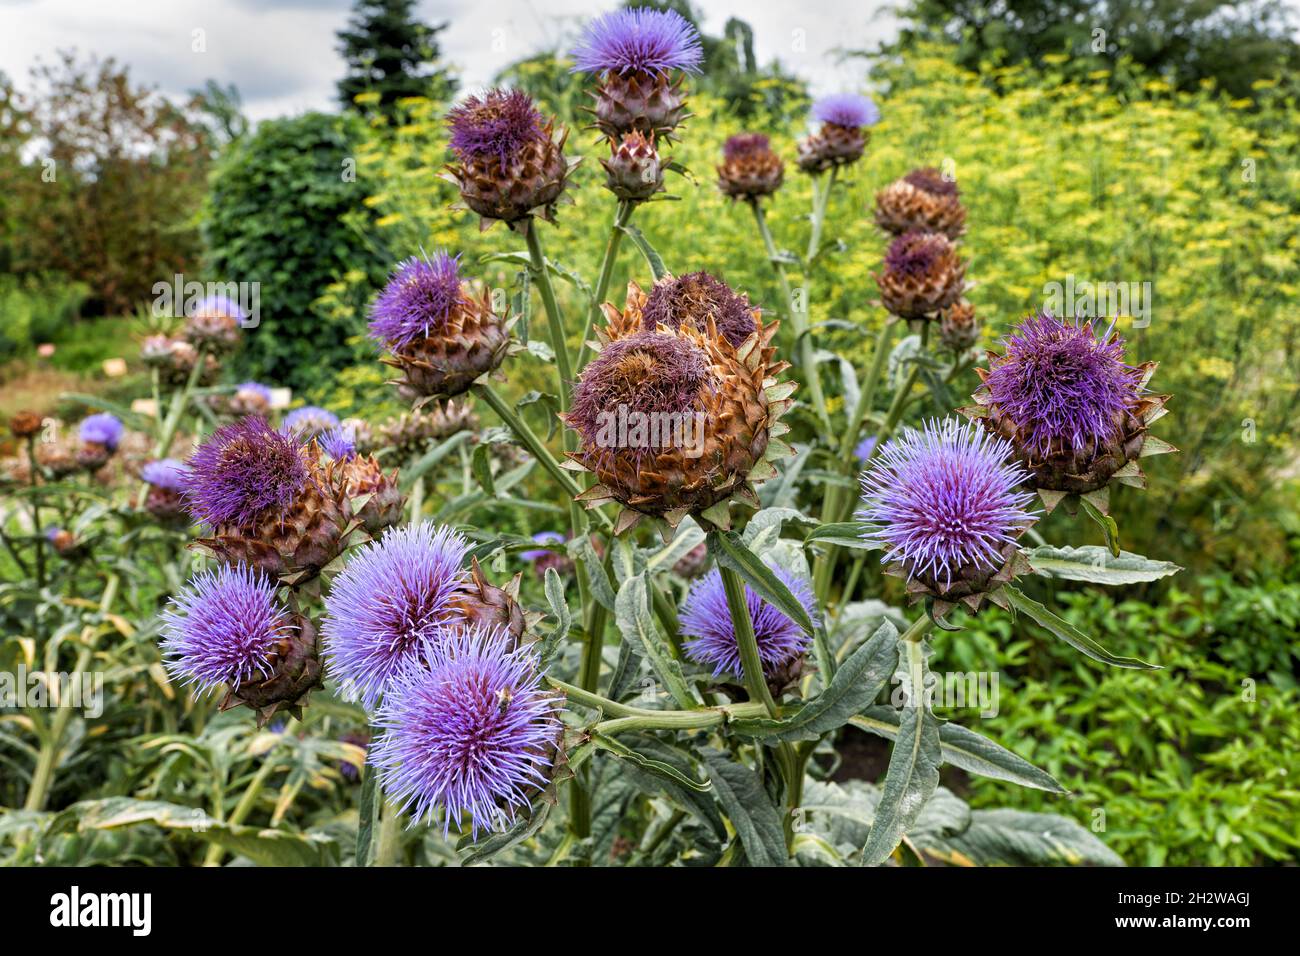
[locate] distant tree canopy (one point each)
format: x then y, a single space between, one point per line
1234 42
389 52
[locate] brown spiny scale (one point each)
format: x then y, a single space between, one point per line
749 169
728 393
58 457
634 170
295 671
374 497
832 145
167 506
484 605
652 104
529 185
969 585
922 276
412 432
472 342
25 424
93 455
959 327
924 201
1088 472
293 544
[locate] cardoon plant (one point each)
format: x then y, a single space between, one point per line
842 135
925 200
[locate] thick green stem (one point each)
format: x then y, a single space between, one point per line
43 775
169 426
390 835
621 219
33 472
555 322
243 807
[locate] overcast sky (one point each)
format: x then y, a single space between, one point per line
280 53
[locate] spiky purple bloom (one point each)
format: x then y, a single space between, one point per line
706 619
470 730
166 473
693 298
243 470
393 599
846 109
641 40
417 301
256 388
339 443
219 305
496 125
915 253
542 537
865 448
102 429
223 628
645 372
310 421
1062 384
944 499
745 144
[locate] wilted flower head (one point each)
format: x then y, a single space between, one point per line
417 301
394 597
166 473
471 730
102 429
695 298
846 109
310 421
924 200
922 276
945 500
706 620
496 125
224 628
915 253
1062 384
749 170
641 40
244 469
930 180
746 144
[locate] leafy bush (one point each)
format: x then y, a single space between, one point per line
36 310
278 214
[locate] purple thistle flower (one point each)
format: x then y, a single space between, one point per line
944 498
339 443
310 421
166 473
256 388
394 597
102 429
915 253
418 300
694 297
846 109
224 628
1062 384
746 144
243 470
642 40
496 125
706 619
542 537
219 305
470 729
865 448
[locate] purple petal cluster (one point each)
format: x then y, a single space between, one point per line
915 253
864 449
256 388
932 181
418 300
166 473
224 628
339 443
392 600
496 125
470 730
706 619
1062 384
646 372
945 498
245 469
102 429
542 537
746 144
310 421
846 109
219 305
640 40
692 299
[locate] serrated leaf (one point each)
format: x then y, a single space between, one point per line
637 624
1067 632
1097 565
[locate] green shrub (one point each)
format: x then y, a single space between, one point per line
276 215
36 309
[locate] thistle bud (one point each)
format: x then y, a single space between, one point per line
959 327
749 170
922 276
482 604
25 424
634 172
411 432
165 499
842 136
922 201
